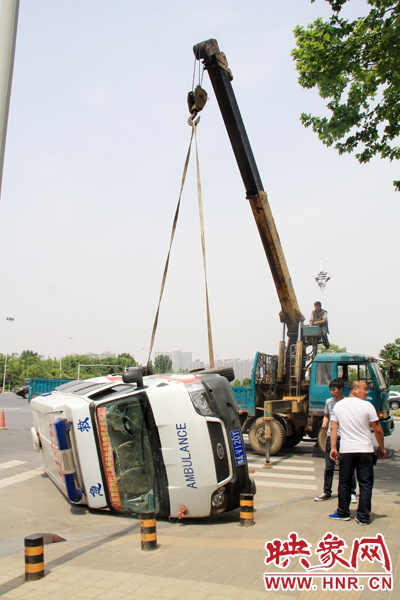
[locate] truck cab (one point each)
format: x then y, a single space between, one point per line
349 367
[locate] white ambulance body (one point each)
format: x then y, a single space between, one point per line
169 443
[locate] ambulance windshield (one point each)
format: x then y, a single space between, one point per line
131 455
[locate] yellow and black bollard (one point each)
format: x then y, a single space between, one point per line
34 557
148 530
246 510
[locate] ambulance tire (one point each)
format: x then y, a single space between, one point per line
257 436
226 372
143 370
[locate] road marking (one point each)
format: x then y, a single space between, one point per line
282 467
275 461
297 486
285 475
12 463
20 477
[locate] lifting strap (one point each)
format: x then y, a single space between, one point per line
210 345
153 335
203 246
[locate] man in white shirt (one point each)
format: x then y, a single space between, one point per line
336 387
355 417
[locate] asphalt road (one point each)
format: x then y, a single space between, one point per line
25 492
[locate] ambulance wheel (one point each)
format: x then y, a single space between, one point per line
226 372
143 370
257 436
35 439
321 439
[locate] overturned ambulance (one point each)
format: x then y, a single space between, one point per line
169 443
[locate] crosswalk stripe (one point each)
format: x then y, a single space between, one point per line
282 462
12 463
282 467
20 477
278 484
285 475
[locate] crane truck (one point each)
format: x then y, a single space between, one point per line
287 395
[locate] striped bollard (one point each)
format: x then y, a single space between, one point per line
34 557
148 530
246 510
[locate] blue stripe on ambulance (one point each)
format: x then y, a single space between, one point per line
69 471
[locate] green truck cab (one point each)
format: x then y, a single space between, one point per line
298 415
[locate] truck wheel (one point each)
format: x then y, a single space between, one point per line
257 436
226 372
293 440
321 439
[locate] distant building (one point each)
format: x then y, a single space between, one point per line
241 367
181 361
197 364
107 354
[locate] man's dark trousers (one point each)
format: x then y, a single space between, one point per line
330 468
362 462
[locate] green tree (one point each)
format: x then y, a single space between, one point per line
391 356
332 347
356 67
26 354
163 364
236 383
246 381
29 365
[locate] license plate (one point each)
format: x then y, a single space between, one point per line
238 448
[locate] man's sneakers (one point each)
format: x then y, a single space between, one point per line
361 522
357 520
353 499
322 497
338 517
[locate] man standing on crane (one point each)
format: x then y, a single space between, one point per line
319 317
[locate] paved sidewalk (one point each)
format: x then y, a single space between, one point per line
200 560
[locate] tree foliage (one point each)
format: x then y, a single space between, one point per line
332 347
163 364
391 356
356 66
29 365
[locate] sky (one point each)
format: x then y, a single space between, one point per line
97 139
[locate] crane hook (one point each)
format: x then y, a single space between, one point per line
196 102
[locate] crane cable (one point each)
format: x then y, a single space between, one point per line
175 221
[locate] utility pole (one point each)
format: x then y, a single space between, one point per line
9 319
8 37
